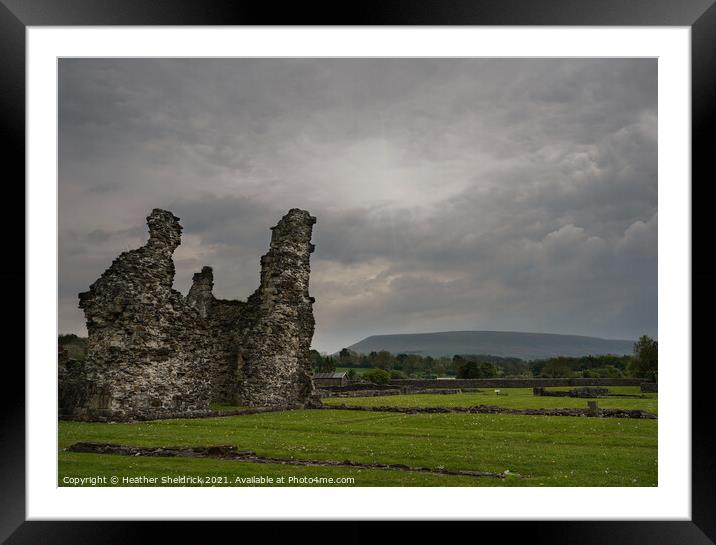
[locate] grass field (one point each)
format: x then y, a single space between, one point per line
544 451
515 398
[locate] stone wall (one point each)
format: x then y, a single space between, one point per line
153 353
274 356
147 350
586 391
225 322
356 386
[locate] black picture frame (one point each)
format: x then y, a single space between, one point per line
16 15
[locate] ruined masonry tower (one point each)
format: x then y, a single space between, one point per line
153 353
274 354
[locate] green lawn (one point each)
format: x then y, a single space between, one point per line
545 451
515 398
228 473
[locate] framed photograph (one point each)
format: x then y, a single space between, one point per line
420 268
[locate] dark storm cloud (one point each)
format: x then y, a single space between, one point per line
512 194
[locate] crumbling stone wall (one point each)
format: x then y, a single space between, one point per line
587 391
147 350
224 322
274 357
153 353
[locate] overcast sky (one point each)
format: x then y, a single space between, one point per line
451 194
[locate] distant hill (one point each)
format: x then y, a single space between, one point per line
527 346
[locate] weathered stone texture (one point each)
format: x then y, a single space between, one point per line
649 387
147 350
275 348
223 322
587 391
153 353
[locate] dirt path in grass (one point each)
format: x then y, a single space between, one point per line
493 409
227 452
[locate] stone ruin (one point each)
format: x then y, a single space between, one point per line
153 353
587 391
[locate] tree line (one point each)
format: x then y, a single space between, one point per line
642 363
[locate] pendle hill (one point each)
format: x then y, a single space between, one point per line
526 346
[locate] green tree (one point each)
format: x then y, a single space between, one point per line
428 364
560 367
384 360
468 369
76 347
487 370
316 360
377 376
400 360
346 358
610 371
412 364
536 367
645 362
327 365
458 362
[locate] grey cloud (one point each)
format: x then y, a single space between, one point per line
450 193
